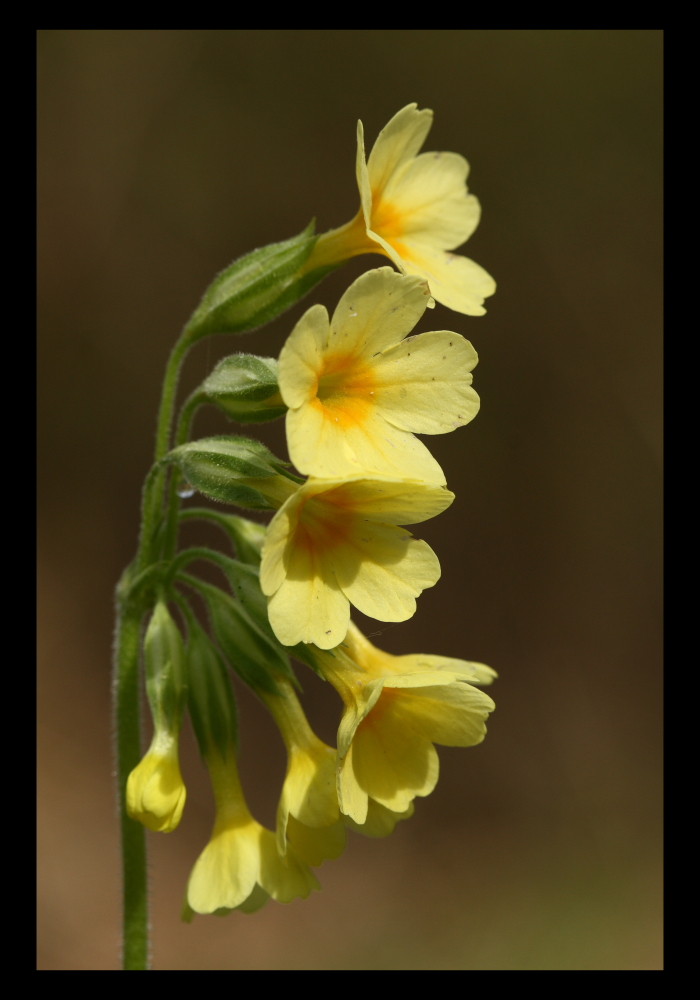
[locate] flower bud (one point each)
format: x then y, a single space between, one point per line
245 388
256 287
155 791
235 470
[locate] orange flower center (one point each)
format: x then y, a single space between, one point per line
387 220
325 522
345 390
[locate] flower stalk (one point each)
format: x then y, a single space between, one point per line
355 388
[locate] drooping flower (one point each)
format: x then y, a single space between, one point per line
414 209
357 391
337 542
155 791
308 817
241 866
396 708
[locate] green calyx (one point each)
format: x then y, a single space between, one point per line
166 677
256 287
245 388
233 470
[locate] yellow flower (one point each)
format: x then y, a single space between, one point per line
357 391
396 708
337 542
308 817
241 867
414 208
155 792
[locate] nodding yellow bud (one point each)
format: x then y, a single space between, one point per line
155 791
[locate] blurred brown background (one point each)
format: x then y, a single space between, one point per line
163 155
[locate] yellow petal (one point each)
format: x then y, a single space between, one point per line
451 714
273 566
398 142
309 788
427 201
316 444
376 311
325 449
310 608
353 799
380 448
391 762
386 500
474 673
455 281
301 358
424 383
227 870
384 571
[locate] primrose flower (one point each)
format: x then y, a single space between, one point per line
336 542
396 708
357 390
414 209
308 817
155 791
241 867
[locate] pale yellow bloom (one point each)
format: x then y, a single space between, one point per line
357 390
414 209
396 708
308 817
155 791
241 866
337 542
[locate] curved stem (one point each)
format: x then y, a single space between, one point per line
154 490
222 521
197 552
182 432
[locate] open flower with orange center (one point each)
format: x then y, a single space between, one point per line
357 391
396 708
414 209
336 542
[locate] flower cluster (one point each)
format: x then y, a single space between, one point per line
355 388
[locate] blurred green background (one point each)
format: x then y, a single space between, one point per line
163 155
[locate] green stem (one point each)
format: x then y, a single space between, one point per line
197 552
154 491
127 694
208 514
182 432
127 708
